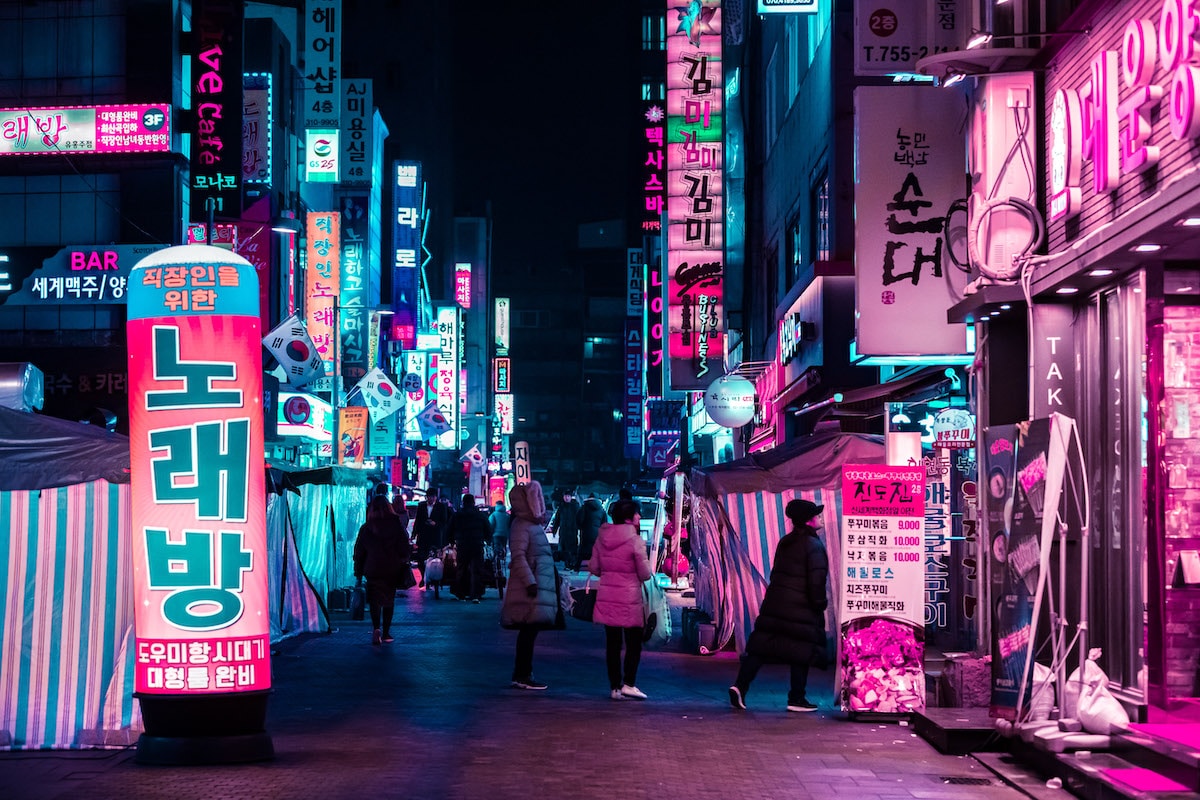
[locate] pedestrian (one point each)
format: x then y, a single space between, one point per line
381 551
531 602
591 517
429 525
790 628
566 525
468 530
499 522
619 560
400 506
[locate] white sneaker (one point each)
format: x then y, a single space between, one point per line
615 694
634 692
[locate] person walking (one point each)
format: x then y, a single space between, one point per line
591 517
790 628
619 560
429 527
499 522
381 551
400 506
468 530
531 602
566 525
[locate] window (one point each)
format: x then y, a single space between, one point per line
771 112
532 319
821 221
795 251
791 44
654 92
654 32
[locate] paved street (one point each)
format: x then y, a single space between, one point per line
433 716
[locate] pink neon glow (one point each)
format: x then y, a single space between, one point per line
1105 163
1174 42
1185 122
1139 52
1136 155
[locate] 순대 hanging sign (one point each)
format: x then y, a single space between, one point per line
883 584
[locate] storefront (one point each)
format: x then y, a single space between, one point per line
1113 331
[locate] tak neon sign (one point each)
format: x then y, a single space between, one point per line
1086 122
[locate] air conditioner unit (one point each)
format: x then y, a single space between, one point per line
1002 220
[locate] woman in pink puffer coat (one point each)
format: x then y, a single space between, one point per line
619 560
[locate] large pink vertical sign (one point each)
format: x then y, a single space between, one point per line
198 503
695 237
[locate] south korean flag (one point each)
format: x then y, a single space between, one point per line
292 347
431 421
380 395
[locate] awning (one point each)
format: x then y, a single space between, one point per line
868 401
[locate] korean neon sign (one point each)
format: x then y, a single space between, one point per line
198 509
322 280
1086 123
462 284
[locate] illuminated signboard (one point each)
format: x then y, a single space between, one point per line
356 132
323 60
321 155
216 157
655 303
504 412
788 6
257 123
462 284
502 322
224 235
653 122
415 385
406 243
80 274
352 433
353 315
86 129
304 415
321 281
447 373
501 375
695 197
198 513
633 408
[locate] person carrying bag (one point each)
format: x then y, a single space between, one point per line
619 560
381 551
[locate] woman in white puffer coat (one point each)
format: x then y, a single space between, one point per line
619 560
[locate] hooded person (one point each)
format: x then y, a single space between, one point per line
790 628
619 560
591 517
531 599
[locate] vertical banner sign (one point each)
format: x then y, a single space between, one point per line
654 194
257 120
381 441
462 284
521 462
199 505
354 316
352 431
1052 340
502 323
406 243
357 107
882 598
414 384
252 241
695 196
321 281
655 302
216 164
504 412
632 408
447 373
910 152
321 155
323 60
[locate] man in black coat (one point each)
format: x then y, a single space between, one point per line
591 517
429 528
467 530
790 628
566 525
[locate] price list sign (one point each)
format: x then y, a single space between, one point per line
882 603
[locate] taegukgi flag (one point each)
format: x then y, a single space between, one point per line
380 395
473 456
431 421
292 347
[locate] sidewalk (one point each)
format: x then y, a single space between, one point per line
433 716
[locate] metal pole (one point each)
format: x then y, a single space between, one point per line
335 394
210 208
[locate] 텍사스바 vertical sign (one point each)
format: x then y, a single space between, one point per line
883 588
198 505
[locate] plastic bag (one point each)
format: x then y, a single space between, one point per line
434 570
656 614
1090 701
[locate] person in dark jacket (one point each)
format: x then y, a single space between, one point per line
531 602
619 560
790 628
380 552
429 528
591 517
566 525
468 530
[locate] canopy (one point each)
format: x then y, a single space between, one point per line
40 452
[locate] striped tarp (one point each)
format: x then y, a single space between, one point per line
734 540
66 618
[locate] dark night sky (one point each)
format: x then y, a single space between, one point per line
544 98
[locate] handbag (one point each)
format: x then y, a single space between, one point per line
434 570
358 602
656 613
583 605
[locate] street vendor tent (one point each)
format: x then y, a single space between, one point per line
66 610
738 519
